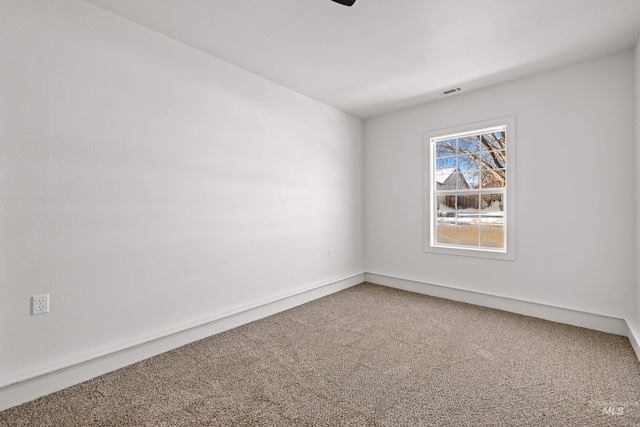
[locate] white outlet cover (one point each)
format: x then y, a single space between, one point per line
39 304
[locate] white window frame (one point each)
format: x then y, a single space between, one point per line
509 202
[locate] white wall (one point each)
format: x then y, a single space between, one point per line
147 186
637 123
575 189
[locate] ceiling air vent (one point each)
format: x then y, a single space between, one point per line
450 91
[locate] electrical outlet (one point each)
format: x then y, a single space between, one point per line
39 304
330 252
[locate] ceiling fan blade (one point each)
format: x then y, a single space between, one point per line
345 2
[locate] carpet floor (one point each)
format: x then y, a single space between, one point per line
367 356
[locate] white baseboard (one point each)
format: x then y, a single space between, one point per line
595 321
634 335
45 383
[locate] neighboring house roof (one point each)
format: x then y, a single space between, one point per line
443 175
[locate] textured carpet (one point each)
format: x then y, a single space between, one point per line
367 356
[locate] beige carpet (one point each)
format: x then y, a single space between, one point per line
367 356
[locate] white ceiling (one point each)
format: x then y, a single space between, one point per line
381 55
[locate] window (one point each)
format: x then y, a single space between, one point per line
469 184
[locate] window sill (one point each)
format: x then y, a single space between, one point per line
499 254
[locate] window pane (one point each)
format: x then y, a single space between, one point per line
492 221
472 179
445 232
468 163
446 219
500 158
447 205
494 141
492 236
446 163
493 210
493 159
467 220
460 183
468 234
446 179
467 205
469 144
494 178
492 205
448 147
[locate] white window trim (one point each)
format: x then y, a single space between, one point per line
509 252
